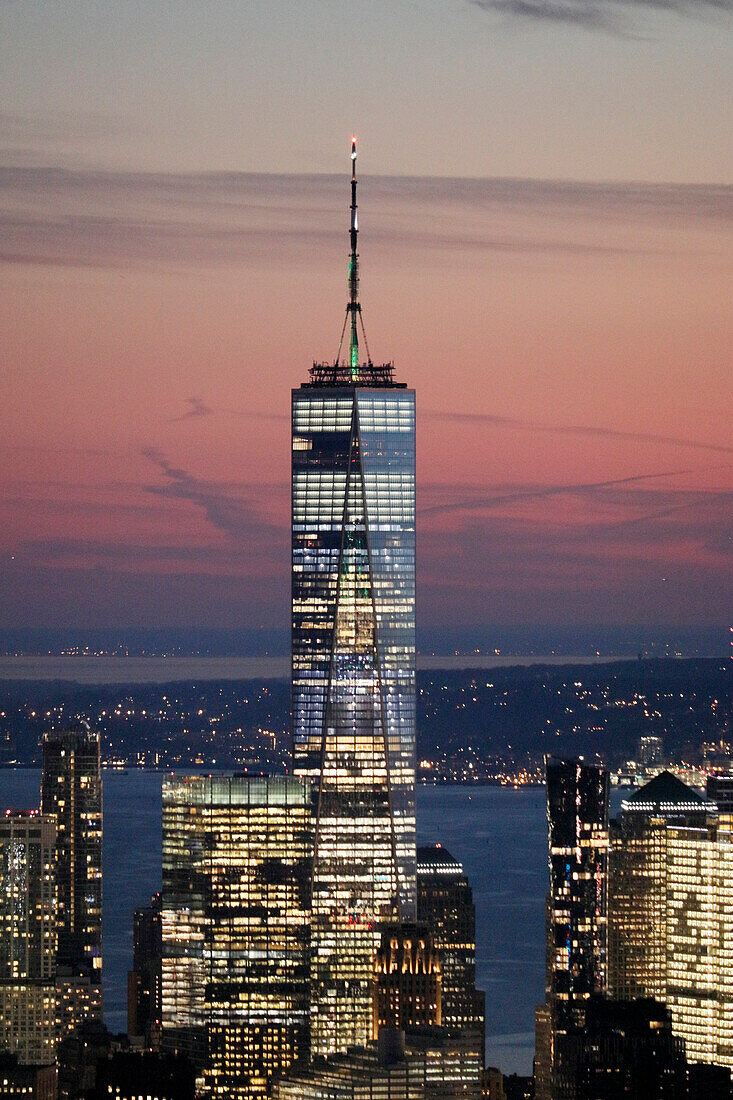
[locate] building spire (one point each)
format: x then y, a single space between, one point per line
353 308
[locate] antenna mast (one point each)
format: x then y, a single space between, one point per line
353 308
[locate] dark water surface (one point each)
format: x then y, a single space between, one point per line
500 836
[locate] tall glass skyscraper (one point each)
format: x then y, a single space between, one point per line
353 662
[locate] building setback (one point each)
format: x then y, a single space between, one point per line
71 789
235 927
353 663
28 936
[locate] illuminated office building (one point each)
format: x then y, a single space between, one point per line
577 814
699 978
235 927
353 663
637 884
407 982
430 1064
577 818
28 936
445 904
671 911
71 789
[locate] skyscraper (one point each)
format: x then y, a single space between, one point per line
445 904
71 789
144 980
637 884
407 986
235 906
28 936
577 815
577 818
353 661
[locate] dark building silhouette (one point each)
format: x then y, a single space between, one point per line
144 1003
624 1050
709 1082
407 982
445 904
71 788
28 1082
720 791
129 1075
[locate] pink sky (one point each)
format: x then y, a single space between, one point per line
570 346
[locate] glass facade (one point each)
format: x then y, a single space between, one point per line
71 789
353 677
235 906
577 814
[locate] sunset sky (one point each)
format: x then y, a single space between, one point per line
546 217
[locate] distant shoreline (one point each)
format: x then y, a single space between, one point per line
164 670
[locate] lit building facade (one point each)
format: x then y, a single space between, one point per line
576 914
637 884
671 911
407 981
71 789
28 936
353 665
445 904
577 815
235 927
431 1064
699 977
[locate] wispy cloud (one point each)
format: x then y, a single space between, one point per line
607 15
58 217
227 508
196 409
491 420
485 499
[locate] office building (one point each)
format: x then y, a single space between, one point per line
127 1075
237 856
406 990
671 911
651 749
622 1049
577 818
431 1064
699 971
28 937
445 904
71 790
577 814
353 662
720 792
144 1004
26 1082
637 893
